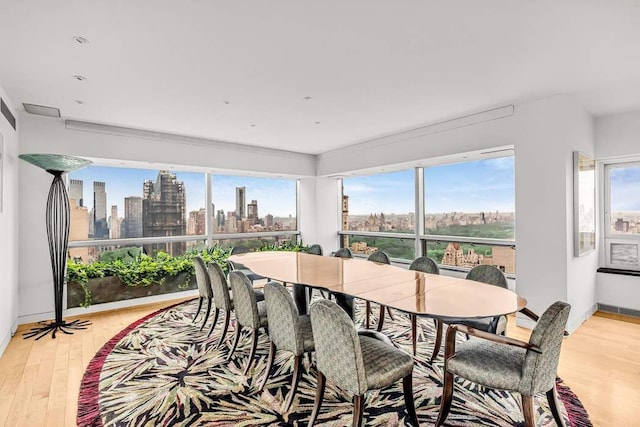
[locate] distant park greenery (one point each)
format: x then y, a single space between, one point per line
135 268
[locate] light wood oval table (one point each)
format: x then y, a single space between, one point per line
432 295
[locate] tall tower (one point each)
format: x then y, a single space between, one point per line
252 211
345 219
100 228
132 224
241 203
114 223
76 193
164 212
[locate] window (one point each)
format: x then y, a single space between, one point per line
474 201
124 203
622 215
253 205
381 204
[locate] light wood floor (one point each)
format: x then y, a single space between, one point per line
39 380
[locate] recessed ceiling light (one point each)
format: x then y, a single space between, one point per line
79 101
252 125
42 110
317 123
79 78
227 102
81 40
307 98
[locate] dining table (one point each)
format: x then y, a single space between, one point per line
438 296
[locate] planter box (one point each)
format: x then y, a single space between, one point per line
110 288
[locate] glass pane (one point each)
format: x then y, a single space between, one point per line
249 205
471 199
256 243
394 247
379 203
468 255
625 200
114 203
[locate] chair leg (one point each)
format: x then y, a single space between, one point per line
367 309
267 371
235 341
358 410
215 320
529 413
381 318
322 382
206 314
227 317
297 364
390 313
552 397
254 344
447 398
438 342
198 310
407 388
414 332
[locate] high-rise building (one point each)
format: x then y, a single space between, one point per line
252 211
196 224
241 203
345 220
100 228
76 195
114 223
163 212
220 221
79 230
132 223
268 220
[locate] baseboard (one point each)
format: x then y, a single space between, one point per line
5 340
618 310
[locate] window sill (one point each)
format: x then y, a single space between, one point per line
619 271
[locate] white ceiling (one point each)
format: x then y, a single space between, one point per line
371 68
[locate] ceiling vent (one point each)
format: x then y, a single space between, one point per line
41 110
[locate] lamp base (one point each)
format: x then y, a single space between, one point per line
53 327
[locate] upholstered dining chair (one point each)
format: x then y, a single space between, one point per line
204 289
236 266
425 265
499 362
343 253
288 331
315 249
250 313
495 325
355 363
382 258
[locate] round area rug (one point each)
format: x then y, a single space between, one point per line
162 370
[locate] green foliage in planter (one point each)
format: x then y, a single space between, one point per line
135 268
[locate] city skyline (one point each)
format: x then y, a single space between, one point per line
625 192
126 182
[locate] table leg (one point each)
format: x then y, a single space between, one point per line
346 302
300 298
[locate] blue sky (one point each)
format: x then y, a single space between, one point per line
274 196
484 185
625 191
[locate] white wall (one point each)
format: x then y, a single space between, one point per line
618 138
544 134
46 135
8 229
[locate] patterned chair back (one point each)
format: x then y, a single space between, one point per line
380 257
244 300
488 274
220 287
202 278
315 250
425 265
539 370
284 320
343 253
338 352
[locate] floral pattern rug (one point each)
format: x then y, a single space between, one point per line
163 371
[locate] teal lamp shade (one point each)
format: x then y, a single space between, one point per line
55 162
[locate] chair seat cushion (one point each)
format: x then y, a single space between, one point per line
307 333
383 363
488 363
262 312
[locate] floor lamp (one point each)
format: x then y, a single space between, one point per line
58 236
